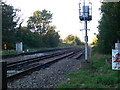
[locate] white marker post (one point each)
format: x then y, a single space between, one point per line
19 46
116 57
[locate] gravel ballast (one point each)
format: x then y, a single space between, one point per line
49 77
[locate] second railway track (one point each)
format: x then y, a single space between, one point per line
22 68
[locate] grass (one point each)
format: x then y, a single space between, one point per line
99 75
7 52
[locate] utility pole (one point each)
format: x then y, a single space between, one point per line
85 14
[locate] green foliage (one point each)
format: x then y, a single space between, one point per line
7 52
106 80
45 34
9 22
77 40
94 41
51 38
30 39
8 17
70 39
109 27
40 20
100 75
37 34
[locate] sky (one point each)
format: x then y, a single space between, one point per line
65 15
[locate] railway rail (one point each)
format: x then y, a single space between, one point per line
24 67
38 57
31 53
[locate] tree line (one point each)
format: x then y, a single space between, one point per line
38 33
109 27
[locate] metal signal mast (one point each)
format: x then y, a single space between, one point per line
85 14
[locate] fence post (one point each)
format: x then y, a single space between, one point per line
3 75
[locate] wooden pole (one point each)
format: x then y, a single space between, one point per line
3 75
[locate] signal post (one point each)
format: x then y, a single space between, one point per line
85 14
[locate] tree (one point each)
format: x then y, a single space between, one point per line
9 22
30 39
109 27
40 20
71 39
51 38
94 41
77 40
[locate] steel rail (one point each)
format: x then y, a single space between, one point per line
24 72
27 61
30 53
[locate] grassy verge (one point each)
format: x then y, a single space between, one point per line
99 75
7 52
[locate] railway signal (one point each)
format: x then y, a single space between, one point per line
85 14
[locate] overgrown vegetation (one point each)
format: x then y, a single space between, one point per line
36 34
109 27
39 33
99 75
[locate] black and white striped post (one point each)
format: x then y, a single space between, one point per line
3 75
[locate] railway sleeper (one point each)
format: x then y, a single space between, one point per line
38 67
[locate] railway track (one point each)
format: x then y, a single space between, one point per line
36 58
35 52
24 67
